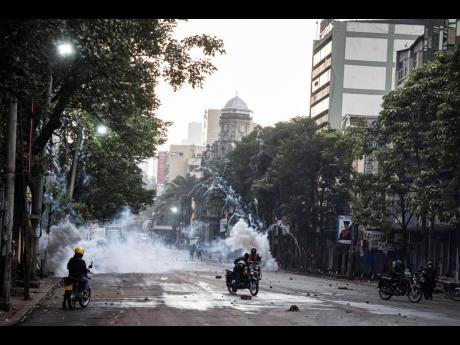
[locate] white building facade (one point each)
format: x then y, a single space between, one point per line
353 67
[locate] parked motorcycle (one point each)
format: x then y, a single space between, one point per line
407 284
73 293
249 278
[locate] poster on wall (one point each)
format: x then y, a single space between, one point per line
344 229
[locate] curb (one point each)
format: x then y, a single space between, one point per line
327 277
26 311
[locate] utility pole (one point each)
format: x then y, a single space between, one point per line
7 236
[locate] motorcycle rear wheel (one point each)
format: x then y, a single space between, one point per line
72 301
384 294
415 295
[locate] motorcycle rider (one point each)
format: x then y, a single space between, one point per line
397 273
254 256
238 272
429 274
77 269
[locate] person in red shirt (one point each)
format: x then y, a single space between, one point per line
254 256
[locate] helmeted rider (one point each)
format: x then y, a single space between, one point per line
254 256
77 268
397 273
429 274
240 270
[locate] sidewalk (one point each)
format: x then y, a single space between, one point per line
365 281
20 308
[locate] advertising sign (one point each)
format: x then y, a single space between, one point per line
384 246
371 235
344 229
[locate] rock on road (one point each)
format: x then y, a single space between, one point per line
194 296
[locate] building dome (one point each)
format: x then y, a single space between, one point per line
236 103
236 106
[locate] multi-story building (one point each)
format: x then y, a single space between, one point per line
353 66
194 135
211 128
439 35
182 160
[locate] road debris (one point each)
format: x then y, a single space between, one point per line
348 311
246 297
293 308
218 277
343 288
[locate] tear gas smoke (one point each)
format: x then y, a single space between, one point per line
136 253
243 237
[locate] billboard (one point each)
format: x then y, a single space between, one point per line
344 229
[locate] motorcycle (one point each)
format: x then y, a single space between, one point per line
73 293
406 285
249 278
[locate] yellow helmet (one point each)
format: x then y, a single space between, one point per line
79 250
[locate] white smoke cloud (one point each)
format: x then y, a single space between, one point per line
133 255
244 238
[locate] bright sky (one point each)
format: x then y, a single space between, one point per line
268 62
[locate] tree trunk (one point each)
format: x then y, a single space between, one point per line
6 239
75 163
425 239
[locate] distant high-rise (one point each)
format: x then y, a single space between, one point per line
211 127
195 136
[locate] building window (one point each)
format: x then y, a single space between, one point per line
320 107
320 81
403 69
325 51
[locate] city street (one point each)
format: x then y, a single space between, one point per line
195 296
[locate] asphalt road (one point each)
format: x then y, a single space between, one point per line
194 296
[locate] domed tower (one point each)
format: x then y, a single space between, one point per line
235 123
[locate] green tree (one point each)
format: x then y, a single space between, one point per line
179 193
414 140
112 75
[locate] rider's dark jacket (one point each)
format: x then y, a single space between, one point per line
77 267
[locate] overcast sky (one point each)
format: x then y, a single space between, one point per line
268 62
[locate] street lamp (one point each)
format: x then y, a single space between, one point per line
102 130
65 49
